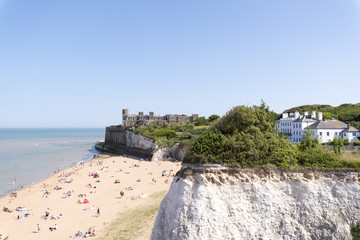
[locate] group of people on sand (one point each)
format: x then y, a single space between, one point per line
89 233
65 178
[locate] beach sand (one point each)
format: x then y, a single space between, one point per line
128 217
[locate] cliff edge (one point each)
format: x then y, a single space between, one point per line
217 202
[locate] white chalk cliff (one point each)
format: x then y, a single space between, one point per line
215 202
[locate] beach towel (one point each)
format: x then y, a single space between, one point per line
21 209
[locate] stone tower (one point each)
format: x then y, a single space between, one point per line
125 113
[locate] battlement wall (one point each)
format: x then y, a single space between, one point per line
144 120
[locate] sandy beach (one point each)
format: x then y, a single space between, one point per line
62 196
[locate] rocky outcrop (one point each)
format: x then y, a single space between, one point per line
121 140
216 202
175 152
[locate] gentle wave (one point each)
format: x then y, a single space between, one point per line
34 155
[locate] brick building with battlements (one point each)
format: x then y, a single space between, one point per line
144 120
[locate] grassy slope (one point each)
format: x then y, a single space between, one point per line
136 223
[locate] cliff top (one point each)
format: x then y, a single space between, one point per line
246 137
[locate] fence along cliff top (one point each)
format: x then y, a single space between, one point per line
144 120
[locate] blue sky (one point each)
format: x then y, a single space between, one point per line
78 63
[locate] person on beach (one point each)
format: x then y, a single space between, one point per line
98 212
38 228
47 213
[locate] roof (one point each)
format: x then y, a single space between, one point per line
351 129
304 119
328 124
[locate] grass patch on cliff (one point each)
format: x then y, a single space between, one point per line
351 159
135 223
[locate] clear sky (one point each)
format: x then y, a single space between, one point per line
78 63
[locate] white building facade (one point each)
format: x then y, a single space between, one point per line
295 125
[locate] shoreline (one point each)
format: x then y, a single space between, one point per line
105 196
53 172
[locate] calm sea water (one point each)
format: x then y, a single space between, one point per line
30 155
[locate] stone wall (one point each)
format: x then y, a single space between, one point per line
216 202
123 141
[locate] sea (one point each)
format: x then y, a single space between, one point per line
28 156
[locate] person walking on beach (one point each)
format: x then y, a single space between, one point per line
98 212
38 228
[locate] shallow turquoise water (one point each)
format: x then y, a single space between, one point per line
30 155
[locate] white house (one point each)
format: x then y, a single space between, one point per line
294 125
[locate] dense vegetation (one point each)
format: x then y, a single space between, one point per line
344 112
167 135
246 137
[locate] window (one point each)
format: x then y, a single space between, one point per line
335 133
354 134
320 133
327 134
344 134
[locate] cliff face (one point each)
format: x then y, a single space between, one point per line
174 152
121 140
214 202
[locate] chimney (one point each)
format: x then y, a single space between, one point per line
297 114
285 115
313 115
320 116
348 125
306 113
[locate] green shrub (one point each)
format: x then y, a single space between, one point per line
243 137
356 143
318 157
355 231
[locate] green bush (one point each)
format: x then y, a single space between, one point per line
356 143
318 157
355 231
200 121
243 137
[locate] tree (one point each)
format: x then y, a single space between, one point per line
200 121
213 117
243 137
308 141
337 144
